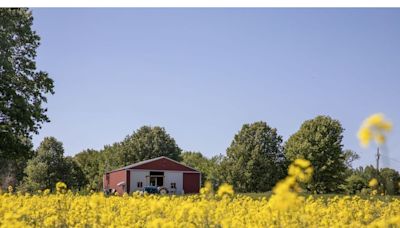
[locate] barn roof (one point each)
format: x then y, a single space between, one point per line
152 160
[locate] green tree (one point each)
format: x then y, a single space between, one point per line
320 141
216 172
212 169
349 157
390 180
22 86
355 183
113 156
198 161
255 158
12 169
146 143
89 162
350 187
50 166
74 176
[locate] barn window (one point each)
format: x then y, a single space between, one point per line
140 184
156 178
173 185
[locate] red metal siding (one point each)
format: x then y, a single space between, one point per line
163 164
191 182
115 178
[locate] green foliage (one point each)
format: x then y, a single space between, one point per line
22 87
390 179
49 166
255 160
89 161
146 143
74 176
349 157
210 168
320 141
355 183
198 161
149 142
12 169
112 157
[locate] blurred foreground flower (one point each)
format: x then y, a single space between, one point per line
374 128
225 189
46 191
372 183
61 187
207 189
285 195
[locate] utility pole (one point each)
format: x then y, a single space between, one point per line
378 155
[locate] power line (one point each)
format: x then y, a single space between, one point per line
395 160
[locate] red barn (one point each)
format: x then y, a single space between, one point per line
161 172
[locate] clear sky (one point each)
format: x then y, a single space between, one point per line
202 73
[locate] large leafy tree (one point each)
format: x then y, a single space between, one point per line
149 142
113 156
145 143
74 176
50 166
255 160
90 161
319 140
23 88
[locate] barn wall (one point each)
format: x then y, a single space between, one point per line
174 177
115 178
163 164
191 182
138 176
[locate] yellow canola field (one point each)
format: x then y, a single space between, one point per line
69 210
285 208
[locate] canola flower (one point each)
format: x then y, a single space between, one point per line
225 189
285 208
61 187
374 128
285 197
207 189
373 183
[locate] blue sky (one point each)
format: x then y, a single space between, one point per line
202 73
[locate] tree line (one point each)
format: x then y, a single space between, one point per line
254 161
